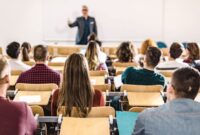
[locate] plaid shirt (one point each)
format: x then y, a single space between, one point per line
40 73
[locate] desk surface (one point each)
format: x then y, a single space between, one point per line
85 126
97 80
33 97
148 99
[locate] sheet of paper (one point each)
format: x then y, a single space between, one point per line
118 81
30 99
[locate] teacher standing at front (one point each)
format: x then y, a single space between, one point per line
86 26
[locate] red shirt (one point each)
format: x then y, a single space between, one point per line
16 118
40 73
98 100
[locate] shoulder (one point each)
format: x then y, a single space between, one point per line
97 93
131 69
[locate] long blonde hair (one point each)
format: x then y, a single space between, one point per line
76 89
92 55
146 44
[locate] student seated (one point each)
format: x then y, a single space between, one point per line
126 52
181 114
13 52
146 75
76 89
16 117
40 73
92 56
26 49
174 59
192 51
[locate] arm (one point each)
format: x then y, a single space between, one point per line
74 24
139 125
31 125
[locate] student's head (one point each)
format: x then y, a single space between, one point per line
185 84
26 49
152 57
93 37
192 50
146 44
40 53
4 74
85 10
13 50
175 50
126 52
92 53
76 90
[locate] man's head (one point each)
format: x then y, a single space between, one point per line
40 53
175 50
85 11
13 50
4 73
185 84
152 57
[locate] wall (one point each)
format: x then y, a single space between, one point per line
22 20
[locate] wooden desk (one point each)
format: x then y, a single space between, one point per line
97 80
13 80
57 68
198 97
147 99
33 97
85 126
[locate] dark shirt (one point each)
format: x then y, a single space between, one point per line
142 77
40 73
84 39
16 118
98 100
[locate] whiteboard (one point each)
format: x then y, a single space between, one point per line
117 20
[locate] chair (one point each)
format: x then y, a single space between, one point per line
65 51
110 51
98 73
37 110
165 51
121 67
166 73
137 109
141 88
104 111
56 64
16 72
36 87
102 88
30 63
161 44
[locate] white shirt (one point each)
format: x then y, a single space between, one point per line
172 64
16 64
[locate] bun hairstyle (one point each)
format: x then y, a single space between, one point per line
153 55
26 48
13 50
126 52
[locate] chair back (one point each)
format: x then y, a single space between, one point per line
103 87
68 50
36 87
37 110
166 73
98 73
125 64
56 64
100 112
165 51
137 109
141 88
30 63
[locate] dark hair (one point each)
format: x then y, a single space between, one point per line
126 52
186 82
13 50
93 37
76 89
153 55
40 53
175 50
193 49
26 49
